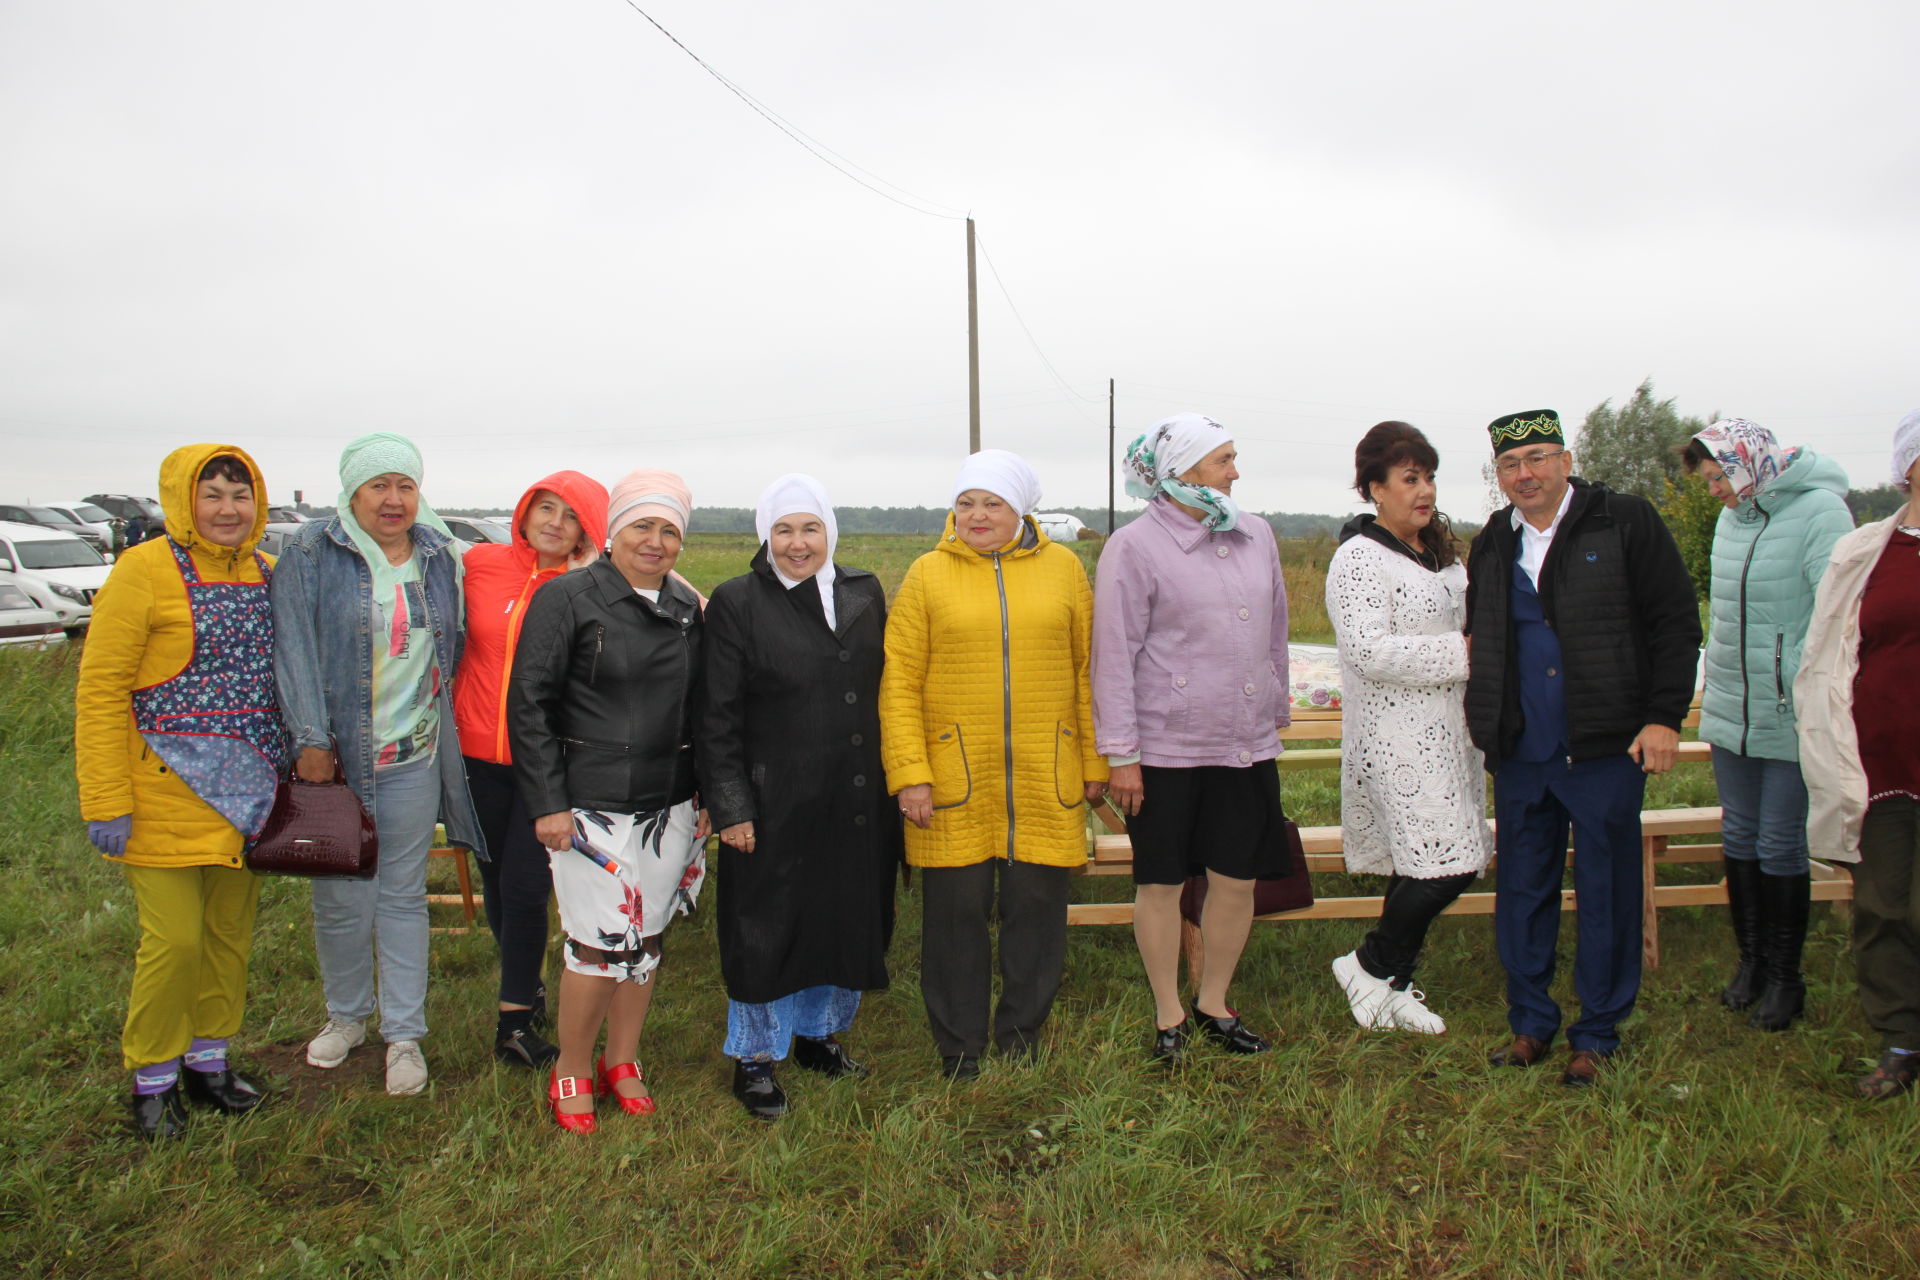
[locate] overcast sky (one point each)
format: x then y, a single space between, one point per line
535 235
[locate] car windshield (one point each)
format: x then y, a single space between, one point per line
47 515
87 511
56 553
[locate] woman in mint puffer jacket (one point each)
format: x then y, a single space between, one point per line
1785 508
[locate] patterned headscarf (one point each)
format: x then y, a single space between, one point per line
1156 461
1906 447
1748 453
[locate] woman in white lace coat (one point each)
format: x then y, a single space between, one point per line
1412 784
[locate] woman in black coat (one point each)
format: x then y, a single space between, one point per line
788 735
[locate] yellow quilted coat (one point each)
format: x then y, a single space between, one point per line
141 634
986 696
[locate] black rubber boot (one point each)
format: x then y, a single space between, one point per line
1784 902
1743 902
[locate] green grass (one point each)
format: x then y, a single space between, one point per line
1710 1151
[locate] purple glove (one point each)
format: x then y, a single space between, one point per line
110 837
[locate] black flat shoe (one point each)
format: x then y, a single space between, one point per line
524 1048
226 1091
1229 1033
758 1091
828 1057
961 1067
1169 1044
160 1115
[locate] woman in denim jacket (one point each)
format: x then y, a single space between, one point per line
367 633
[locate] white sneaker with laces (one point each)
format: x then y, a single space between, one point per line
1406 1010
336 1040
406 1068
1367 996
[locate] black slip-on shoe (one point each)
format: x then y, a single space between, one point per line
758 1091
226 1090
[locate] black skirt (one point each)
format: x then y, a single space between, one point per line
1209 818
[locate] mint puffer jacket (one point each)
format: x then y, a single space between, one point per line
1768 557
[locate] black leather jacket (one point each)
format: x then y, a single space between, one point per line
599 706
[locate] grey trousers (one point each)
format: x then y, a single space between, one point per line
1886 920
956 953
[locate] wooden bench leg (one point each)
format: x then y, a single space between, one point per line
465 873
1651 847
1842 907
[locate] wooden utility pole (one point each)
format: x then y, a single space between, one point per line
1110 458
973 350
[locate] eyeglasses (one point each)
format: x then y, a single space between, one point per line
1512 466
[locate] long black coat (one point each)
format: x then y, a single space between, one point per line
788 738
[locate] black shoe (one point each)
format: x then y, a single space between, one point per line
1743 905
524 1048
758 1091
225 1090
960 1067
1784 902
1169 1044
827 1056
1229 1033
160 1115
537 1013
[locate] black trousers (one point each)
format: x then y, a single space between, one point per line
1886 920
956 953
1392 949
516 880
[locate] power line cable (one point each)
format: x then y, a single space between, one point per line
1021 320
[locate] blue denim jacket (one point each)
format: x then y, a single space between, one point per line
323 657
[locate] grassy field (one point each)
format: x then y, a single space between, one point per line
1711 1150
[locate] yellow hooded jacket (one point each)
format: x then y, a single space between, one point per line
986 696
142 633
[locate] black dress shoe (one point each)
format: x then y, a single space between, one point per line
523 1047
828 1057
1169 1044
758 1091
1229 1033
160 1115
226 1090
960 1067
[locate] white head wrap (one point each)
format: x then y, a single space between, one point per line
1005 475
1906 447
791 495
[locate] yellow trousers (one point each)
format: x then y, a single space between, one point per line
190 975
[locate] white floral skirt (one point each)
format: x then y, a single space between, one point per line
624 878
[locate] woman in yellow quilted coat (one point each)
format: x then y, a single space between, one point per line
178 743
987 736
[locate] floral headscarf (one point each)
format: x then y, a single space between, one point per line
1170 448
1748 453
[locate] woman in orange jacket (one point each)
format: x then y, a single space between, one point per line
559 524
179 745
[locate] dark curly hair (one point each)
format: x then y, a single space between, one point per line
1394 444
228 468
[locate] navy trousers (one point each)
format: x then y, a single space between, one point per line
1536 804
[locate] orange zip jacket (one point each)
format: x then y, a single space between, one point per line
500 582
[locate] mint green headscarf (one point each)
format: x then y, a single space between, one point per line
376 454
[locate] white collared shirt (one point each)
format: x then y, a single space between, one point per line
1534 542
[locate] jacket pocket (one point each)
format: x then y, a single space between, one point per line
598 773
952 775
1069 781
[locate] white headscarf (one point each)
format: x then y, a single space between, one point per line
795 494
1004 475
1906 447
1169 449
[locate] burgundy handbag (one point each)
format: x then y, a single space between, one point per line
317 829
1288 892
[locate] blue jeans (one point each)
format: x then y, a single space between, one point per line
355 920
1763 811
764 1032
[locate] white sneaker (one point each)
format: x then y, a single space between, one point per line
1405 1009
336 1040
1367 995
406 1068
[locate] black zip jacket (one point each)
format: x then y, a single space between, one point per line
599 708
1617 594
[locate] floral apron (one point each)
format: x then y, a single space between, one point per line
217 723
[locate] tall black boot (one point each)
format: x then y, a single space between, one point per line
1784 902
1743 902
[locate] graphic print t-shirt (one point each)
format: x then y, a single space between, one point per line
406 672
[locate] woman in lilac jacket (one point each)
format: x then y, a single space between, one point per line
1189 692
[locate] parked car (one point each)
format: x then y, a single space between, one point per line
57 571
98 519
275 536
144 517
285 515
478 529
53 518
22 622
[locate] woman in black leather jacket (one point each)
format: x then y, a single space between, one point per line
598 712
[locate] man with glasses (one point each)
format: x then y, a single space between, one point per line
1585 637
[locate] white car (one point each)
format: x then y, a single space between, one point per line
22 622
57 571
87 516
1061 528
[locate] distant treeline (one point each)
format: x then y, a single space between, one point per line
1286 524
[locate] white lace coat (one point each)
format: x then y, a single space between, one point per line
1412 784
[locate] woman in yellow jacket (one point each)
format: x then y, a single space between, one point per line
987 736
178 742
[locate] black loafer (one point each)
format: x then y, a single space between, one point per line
226 1091
758 1091
1229 1033
828 1057
961 1067
1169 1044
525 1048
160 1115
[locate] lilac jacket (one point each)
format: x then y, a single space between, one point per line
1190 643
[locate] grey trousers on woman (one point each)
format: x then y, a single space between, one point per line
956 953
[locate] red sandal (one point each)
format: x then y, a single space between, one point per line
640 1106
564 1087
